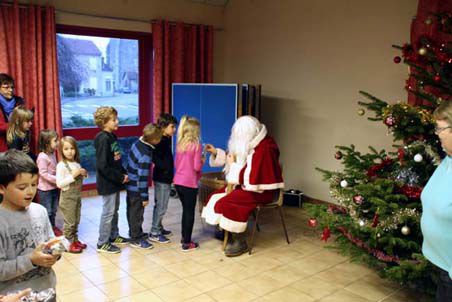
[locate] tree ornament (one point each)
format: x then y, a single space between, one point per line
361 223
389 121
422 51
312 222
344 183
437 78
338 155
361 112
397 59
406 230
378 235
418 158
375 220
326 234
428 21
358 199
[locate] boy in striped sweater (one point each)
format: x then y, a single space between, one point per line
138 165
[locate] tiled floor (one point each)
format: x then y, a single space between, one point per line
276 271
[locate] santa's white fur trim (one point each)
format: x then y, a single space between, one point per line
219 160
259 137
232 226
208 212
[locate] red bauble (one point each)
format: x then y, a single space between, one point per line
437 78
338 155
397 59
401 154
358 199
312 222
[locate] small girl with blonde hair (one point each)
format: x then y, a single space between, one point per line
69 178
18 133
188 166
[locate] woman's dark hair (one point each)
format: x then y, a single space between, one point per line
6 79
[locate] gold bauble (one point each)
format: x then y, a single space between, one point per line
361 112
406 230
422 51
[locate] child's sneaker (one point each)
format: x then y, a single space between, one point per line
187 247
74 248
57 231
141 244
120 240
159 238
108 248
166 232
81 244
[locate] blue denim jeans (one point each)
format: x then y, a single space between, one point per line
108 228
161 198
49 200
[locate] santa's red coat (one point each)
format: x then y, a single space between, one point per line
259 182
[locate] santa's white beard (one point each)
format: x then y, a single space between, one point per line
238 145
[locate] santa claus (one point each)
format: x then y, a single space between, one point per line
252 167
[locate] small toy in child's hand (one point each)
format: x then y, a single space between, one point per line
45 295
56 246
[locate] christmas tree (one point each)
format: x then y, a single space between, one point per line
377 219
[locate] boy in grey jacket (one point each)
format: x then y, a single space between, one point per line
24 228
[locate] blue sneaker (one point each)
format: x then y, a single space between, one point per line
141 244
159 238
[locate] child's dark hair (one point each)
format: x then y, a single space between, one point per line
13 163
166 119
6 79
45 138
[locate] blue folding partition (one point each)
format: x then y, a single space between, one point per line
215 105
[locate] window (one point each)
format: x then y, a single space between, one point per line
99 67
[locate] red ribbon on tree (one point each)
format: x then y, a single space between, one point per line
375 220
326 234
412 192
372 171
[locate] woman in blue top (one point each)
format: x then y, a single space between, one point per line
436 221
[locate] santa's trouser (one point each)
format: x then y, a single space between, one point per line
231 211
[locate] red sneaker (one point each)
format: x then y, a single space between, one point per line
74 248
57 231
81 244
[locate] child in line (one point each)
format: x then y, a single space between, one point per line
69 178
18 133
138 165
163 174
188 164
47 162
24 228
111 177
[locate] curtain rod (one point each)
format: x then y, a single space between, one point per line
107 17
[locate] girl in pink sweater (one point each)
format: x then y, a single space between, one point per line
47 188
188 166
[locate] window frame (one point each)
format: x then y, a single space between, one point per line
145 65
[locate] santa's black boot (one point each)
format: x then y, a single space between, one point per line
237 245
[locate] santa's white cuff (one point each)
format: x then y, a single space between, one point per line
219 160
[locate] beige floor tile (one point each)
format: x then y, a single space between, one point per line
137 265
89 261
262 284
235 271
212 259
315 287
201 298
337 276
91 294
185 268
63 266
283 254
104 274
123 287
176 291
343 296
232 293
286 274
258 263
167 257
207 281
146 296
406 295
288 294
372 288
310 265
72 282
155 277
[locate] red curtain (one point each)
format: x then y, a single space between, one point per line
182 54
28 54
427 9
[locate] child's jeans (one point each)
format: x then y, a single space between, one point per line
49 199
108 228
161 198
135 212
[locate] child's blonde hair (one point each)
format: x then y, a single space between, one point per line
152 132
73 142
103 114
188 132
19 115
45 138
